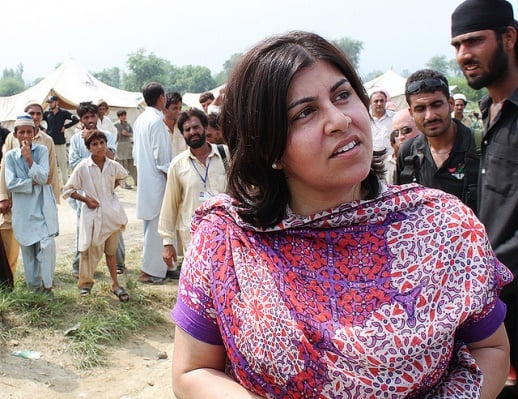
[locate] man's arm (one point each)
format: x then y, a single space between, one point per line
73 120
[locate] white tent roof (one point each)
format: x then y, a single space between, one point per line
72 84
392 83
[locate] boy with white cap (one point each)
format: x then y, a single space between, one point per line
34 211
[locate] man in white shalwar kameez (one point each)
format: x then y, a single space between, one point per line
152 153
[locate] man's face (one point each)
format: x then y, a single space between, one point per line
378 103
53 104
173 111
405 127
89 120
102 110
35 112
24 134
481 57
206 104
459 107
193 132
98 147
214 136
431 112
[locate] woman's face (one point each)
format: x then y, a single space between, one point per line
329 146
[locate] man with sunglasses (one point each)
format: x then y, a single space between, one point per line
404 127
485 37
444 156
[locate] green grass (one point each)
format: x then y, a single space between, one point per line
102 321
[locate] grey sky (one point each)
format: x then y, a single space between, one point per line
403 34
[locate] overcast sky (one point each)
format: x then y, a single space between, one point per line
402 34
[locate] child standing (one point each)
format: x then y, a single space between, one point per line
34 211
93 182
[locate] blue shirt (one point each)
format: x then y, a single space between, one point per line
34 212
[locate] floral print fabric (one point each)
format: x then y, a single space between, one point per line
361 301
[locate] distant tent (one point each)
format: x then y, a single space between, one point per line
393 84
73 84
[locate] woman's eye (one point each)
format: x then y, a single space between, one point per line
304 113
344 95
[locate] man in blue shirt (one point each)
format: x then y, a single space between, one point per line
34 211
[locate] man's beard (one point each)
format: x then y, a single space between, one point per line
497 69
197 143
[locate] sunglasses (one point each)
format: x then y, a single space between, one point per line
404 131
429 83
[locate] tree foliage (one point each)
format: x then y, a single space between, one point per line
144 69
194 79
228 65
439 63
352 49
110 76
12 81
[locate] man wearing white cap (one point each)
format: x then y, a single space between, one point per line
12 248
460 102
34 211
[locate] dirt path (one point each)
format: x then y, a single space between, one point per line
134 370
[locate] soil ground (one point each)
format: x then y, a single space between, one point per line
135 369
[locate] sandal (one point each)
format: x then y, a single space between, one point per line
84 291
121 293
121 269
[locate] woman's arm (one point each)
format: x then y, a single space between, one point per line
198 371
492 357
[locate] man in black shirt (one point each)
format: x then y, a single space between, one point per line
485 38
444 156
56 126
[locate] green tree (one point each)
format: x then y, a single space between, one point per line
439 63
145 68
461 86
12 81
228 65
194 79
454 68
110 76
352 48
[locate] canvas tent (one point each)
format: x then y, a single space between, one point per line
72 84
392 83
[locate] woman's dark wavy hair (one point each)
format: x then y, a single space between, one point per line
254 120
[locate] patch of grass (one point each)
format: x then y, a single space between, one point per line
100 321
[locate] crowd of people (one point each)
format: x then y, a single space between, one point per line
333 247
100 157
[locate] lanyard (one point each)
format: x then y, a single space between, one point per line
203 179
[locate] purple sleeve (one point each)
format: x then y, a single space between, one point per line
196 326
484 327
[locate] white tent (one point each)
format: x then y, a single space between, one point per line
393 84
73 84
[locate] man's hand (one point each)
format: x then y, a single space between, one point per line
5 206
92 203
26 152
169 256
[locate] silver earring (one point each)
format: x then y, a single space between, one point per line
275 166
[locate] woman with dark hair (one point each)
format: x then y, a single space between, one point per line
311 278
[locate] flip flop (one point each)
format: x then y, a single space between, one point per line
121 293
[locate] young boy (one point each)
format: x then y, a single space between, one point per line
34 211
102 215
